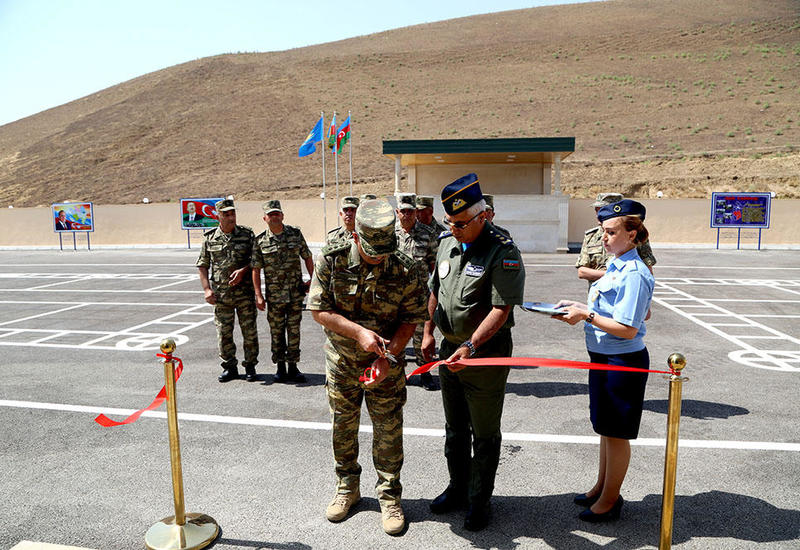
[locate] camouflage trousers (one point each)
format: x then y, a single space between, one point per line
385 405
417 339
284 329
224 314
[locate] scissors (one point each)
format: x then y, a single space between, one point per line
369 372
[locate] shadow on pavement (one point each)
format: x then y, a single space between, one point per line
697 409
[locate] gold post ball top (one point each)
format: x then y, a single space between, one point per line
676 361
167 346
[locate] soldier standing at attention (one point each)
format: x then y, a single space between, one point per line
425 215
478 279
278 251
347 212
489 199
593 258
418 241
226 250
368 297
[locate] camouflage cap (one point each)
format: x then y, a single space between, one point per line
348 202
271 206
606 198
406 201
368 197
424 201
224 205
489 201
375 221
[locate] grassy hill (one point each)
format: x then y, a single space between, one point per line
682 96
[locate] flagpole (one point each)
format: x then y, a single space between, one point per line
351 153
324 198
336 166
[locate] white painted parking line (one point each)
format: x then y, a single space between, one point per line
425 432
42 314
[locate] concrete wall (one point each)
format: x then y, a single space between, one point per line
496 179
669 221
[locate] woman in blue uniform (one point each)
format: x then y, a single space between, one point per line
614 325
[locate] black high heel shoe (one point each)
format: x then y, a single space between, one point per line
611 515
585 500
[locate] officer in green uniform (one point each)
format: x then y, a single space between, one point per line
226 250
347 212
419 242
369 297
593 258
425 215
278 251
479 277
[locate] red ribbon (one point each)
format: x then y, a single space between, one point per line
533 362
106 422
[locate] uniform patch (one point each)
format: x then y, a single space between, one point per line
444 269
511 264
472 270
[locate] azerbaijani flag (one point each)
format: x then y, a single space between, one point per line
332 133
309 146
344 134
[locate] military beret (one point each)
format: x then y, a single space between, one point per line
424 201
606 198
224 205
625 207
461 194
489 201
375 221
271 206
406 201
348 202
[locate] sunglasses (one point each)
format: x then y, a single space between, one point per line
461 225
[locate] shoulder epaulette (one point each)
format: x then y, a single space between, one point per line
334 247
334 230
209 232
444 234
246 229
407 261
501 237
261 234
592 230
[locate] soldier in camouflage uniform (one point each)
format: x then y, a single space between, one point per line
369 297
593 258
490 213
425 215
278 251
226 250
419 242
347 211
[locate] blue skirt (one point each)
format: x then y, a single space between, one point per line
616 398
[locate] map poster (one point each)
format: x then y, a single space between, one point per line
737 210
199 213
72 216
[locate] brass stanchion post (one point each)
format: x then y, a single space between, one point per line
182 531
676 363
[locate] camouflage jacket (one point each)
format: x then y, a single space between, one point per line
378 297
435 227
225 253
338 234
594 256
421 244
279 256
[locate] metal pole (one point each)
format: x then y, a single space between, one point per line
175 532
676 362
738 237
717 238
759 238
324 195
351 154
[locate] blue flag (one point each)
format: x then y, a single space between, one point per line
309 146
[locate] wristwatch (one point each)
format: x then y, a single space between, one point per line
590 318
470 346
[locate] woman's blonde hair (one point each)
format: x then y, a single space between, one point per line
635 223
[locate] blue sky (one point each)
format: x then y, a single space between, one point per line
55 51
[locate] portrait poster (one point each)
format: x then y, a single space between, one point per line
740 210
72 216
199 213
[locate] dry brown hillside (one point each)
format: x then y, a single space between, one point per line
682 96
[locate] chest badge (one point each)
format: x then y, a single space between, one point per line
444 269
472 270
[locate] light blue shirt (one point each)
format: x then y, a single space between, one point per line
624 294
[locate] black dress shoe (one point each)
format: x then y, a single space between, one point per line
477 517
448 501
611 515
585 500
228 374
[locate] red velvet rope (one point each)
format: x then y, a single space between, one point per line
106 422
534 362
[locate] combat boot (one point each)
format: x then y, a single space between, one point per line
280 374
294 374
230 373
392 518
250 373
340 505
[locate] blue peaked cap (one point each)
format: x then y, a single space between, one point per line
625 207
461 194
